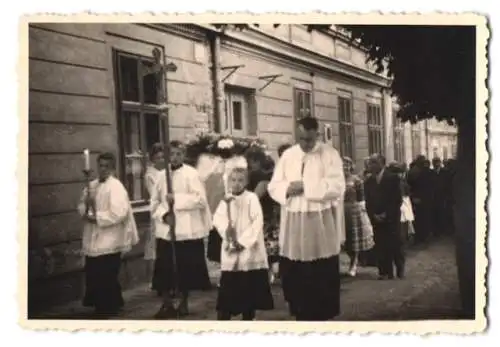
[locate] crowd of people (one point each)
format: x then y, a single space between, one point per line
263 220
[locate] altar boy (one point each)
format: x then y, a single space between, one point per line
109 230
244 285
193 221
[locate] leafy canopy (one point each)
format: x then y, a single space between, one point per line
432 67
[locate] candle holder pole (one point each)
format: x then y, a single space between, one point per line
87 173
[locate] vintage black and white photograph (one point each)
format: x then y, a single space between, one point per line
222 171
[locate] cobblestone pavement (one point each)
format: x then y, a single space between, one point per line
430 291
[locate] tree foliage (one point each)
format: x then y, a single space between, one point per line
432 67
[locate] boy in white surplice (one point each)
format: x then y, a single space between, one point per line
244 284
109 230
193 221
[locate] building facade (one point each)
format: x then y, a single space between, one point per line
428 137
442 140
89 87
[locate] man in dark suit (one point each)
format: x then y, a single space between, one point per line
420 180
441 186
383 204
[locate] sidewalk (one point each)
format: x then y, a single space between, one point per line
430 291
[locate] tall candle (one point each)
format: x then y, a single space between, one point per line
86 156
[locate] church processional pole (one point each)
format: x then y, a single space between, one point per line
160 69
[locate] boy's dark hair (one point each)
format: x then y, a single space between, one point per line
108 156
309 123
155 149
283 148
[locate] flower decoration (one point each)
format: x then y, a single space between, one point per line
223 146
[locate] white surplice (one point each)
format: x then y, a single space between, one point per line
150 244
115 230
247 219
312 224
150 178
193 218
208 164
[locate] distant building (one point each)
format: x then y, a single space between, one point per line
442 140
88 89
427 137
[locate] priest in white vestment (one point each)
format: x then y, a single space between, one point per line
109 231
193 221
309 183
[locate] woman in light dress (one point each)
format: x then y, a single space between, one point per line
155 165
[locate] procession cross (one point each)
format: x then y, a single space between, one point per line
159 70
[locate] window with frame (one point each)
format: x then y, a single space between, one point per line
399 138
346 129
236 119
303 103
138 96
375 129
415 141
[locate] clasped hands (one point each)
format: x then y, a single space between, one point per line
169 218
295 188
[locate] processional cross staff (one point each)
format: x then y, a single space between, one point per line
159 70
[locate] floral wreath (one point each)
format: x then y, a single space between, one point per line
223 146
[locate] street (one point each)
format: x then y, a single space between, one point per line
429 291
